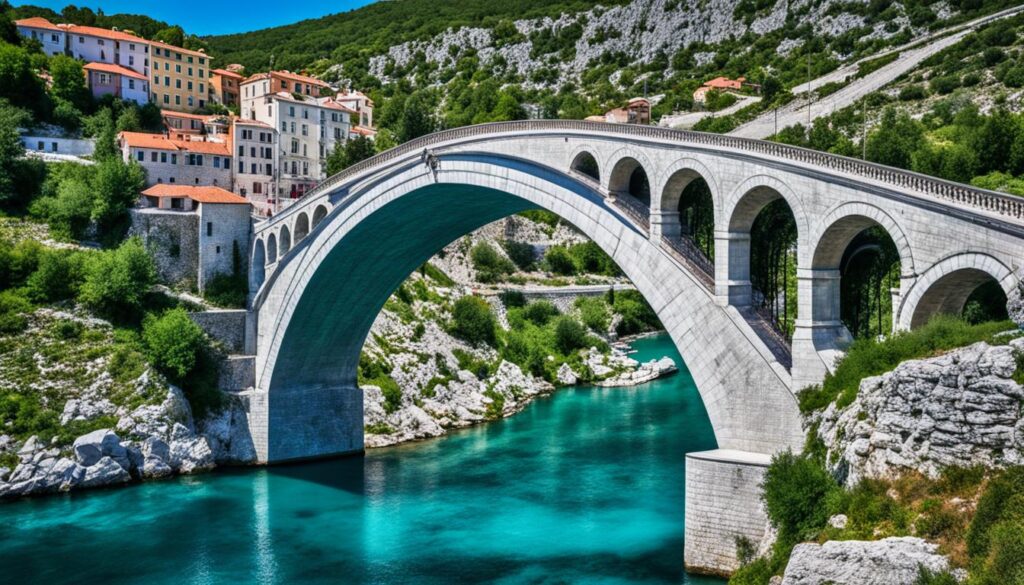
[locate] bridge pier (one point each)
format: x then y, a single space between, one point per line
732 269
819 335
723 505
304 423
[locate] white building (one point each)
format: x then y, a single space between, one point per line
107 78
53 37
362 105
184 162
92 44
256 155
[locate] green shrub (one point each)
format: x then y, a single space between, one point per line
870 357
472 321
913 93
522 254
926 577
490 266
569 335
944 85
117 280
589 258
594 313
1005 561
795 492
637 315
173 342
372 372
18 262
512 298
1002 501
542 216
558 260
540 312
227 290
58 277
13 310
436 274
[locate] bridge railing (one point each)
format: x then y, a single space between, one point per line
685 251
954 193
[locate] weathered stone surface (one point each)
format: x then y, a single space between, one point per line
959 409
566 376
98 444
106 471
1015 304
890 561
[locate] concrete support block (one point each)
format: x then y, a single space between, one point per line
305 423
732 269
665 224
723 504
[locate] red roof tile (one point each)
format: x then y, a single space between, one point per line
114 69
37 22
200 194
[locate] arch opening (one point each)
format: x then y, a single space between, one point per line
586 164
258 272
318 215
301 227
629 178
696 213
272 249
286 240
970 293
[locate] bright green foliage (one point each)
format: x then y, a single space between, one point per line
870 357
117 186
570 335
539 312
69 82
117 280
594 313
13 310
378 373
18 82
893 140
174 343
637 315
558 260
589 258
58 277
926 577
1002 501
11 150
795 492
472 321
521 254
352 151
18 262
490 266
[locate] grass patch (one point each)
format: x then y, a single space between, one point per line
378 429
869 357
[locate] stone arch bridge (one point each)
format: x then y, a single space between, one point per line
322 269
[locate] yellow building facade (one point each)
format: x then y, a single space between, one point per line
180 77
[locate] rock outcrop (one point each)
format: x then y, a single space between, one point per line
890 561
959 409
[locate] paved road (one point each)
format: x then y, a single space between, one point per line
799 112
689 120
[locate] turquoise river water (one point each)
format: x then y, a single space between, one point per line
583 487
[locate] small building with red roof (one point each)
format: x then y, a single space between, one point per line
181 162
194 233
53 37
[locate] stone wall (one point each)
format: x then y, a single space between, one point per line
172 238
222 228
723 503
226 326
237 373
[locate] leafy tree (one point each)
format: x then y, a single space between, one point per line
172 35
508 108
11 149
559 261
417 118
18 82
117 186
8 32
352 151
116 281
795 489
69 82
472 321
522 254
490 266
540 312
173 342
69 210
128 120
894 139
58 276
570 335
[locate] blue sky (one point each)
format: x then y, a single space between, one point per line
205 17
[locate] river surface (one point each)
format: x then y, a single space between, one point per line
583 487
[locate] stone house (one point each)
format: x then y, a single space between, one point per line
193 232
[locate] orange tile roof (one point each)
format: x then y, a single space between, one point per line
364 131
146 140
227 73
104 33
37 22
167 47
244 122
299 77
114 69
329 103
161 142
173 114
724 83
200 194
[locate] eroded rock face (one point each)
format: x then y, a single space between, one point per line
959 409
890 561
1015 304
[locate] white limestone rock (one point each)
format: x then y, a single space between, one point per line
187 452
890 561
1015 304
227 434
92 447
566 376
962 408
106 471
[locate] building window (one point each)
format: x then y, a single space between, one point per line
163 157
284 126
152 157
190 69
295 146
209 228
131 84
257 188
253 168
141 156
40 145
53 147
270 170
190 101
241 150
167 81
190 86
305 168
216 162
174 159
81 40
305 130
177 100
293 127
167 99
284 84
177 68
218 249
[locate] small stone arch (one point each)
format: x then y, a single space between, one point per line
286 240
751 196
621 164
946 286
586 163
677 176
628 177
271 249
301 227
318 215
259 261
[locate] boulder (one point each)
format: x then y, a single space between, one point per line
566 376
890 561
1015 304
227 434
187 452
92 447
106 471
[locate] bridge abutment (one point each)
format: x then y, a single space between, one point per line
723 506
732 269
306 423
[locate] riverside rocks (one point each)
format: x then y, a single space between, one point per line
890 561
959 409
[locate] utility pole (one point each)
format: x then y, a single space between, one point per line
809 95
864 130
776 123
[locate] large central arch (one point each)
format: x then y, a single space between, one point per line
317 306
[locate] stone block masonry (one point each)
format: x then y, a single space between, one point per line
723 503
226 326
